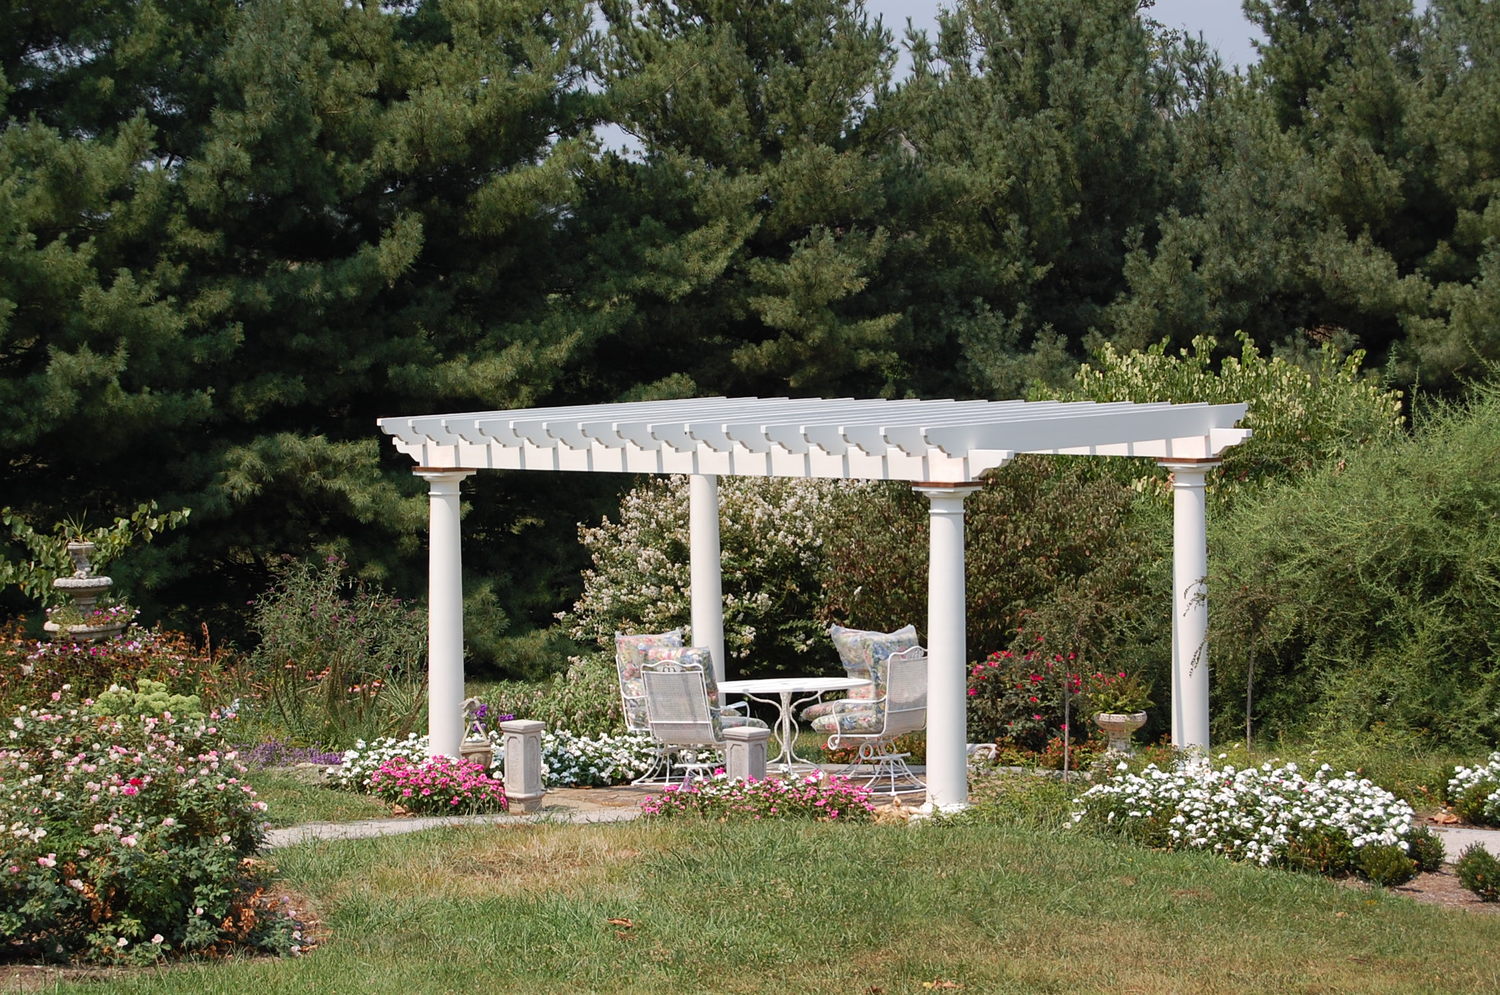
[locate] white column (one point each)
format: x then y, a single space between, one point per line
445 612
947 650
705 567
1189 603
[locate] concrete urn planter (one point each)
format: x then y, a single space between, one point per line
1119 727
83 590
477 750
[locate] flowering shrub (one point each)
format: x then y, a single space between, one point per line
338 658
1267 815
147 698
818 796
771 536
1016 697
125 839
1475 792
360 763
569 760
438 786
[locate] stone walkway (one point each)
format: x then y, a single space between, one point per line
574 805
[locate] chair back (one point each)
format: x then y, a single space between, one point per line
905 691
630 653
677 704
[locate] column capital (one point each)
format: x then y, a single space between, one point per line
1190 463
431 472
442 481
940 489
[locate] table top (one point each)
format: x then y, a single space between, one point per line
786 685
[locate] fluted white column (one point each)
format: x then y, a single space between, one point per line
705 567
947 650
445 611
1190 681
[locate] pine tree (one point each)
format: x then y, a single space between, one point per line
749 223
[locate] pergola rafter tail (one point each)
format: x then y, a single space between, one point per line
941 446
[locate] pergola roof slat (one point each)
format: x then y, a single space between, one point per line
938 440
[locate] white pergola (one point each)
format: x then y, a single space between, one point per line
941 447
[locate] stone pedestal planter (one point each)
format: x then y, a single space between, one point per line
1118 727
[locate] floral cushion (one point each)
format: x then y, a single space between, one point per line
850 718
863 653
630 653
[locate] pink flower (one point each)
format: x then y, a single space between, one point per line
48 861
128 840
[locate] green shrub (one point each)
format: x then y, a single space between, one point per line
126 839
1385 864
1426 848
1479 871
584 699
1319 850
339 659
1051 544
1365 592
148 698
1302 416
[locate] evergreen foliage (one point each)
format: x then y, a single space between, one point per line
232 235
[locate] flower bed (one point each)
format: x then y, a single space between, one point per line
568 760
438 786
126 839
1273 816
1475 792
819 797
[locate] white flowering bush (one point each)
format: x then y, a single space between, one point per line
366 757
1268 815
569 760
1475 791
125 838
771 537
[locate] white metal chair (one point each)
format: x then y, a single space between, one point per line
683 710
630 653
872 726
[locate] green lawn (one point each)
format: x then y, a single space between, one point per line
290 800
994 905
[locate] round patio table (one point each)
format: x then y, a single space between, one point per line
810 689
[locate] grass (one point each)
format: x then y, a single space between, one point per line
1004 900
291 801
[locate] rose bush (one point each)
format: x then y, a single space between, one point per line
126 838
